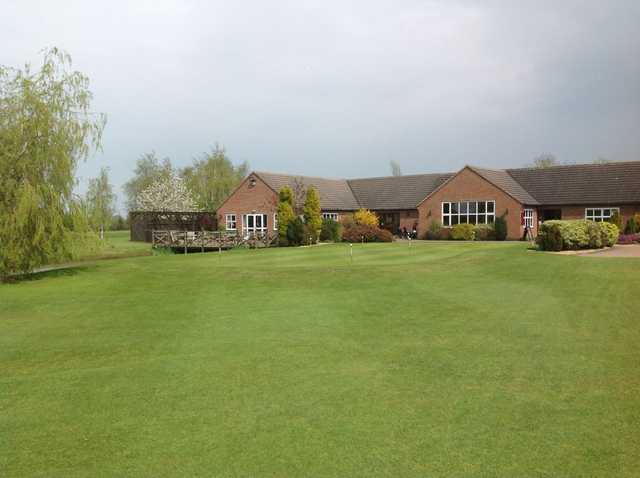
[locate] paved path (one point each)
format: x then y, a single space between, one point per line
631 250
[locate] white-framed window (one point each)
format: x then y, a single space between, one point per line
528 218
230 222
330 215
252 223
600 214
468 212
275 221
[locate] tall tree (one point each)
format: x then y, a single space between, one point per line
285 213
312 213
46 128
149 169
101 202
395 168
544 161
213 177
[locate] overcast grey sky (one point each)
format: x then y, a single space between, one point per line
339 88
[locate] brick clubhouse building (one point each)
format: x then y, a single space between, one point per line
524 196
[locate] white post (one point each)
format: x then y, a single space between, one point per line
351 252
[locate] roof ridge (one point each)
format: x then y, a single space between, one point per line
298 176
401 176
565 166
484 169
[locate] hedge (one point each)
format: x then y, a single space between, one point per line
463 232
560 235
485 232
331 230
361 232
610 233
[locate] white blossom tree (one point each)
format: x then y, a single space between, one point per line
167 194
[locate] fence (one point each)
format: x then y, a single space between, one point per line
207 240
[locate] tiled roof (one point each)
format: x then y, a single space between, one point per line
395 192
502 179
596 184
335 194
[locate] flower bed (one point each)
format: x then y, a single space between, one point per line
627 239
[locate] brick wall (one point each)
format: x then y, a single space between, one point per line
252 196
578 212
469 186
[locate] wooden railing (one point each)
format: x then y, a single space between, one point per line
211 239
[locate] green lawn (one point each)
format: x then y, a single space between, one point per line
116 244
443 360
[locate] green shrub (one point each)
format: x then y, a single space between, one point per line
312 214
463 232
594 231
310 234
285 214
485 232
435 230
632 226
616 219
295 232
549 236
576 234
610 233
331 231
361 232
500 228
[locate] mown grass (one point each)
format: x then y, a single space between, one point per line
440 360
116 244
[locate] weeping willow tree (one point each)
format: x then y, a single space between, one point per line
46 128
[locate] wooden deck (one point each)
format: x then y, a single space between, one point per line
211 240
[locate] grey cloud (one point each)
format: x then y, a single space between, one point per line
339 88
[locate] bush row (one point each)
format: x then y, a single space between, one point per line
469 232
576 234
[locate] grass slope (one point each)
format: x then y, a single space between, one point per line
443 360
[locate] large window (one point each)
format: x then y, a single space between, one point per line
230 222
330 215
252 223
468 212
600 214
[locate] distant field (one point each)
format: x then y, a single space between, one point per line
440 360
